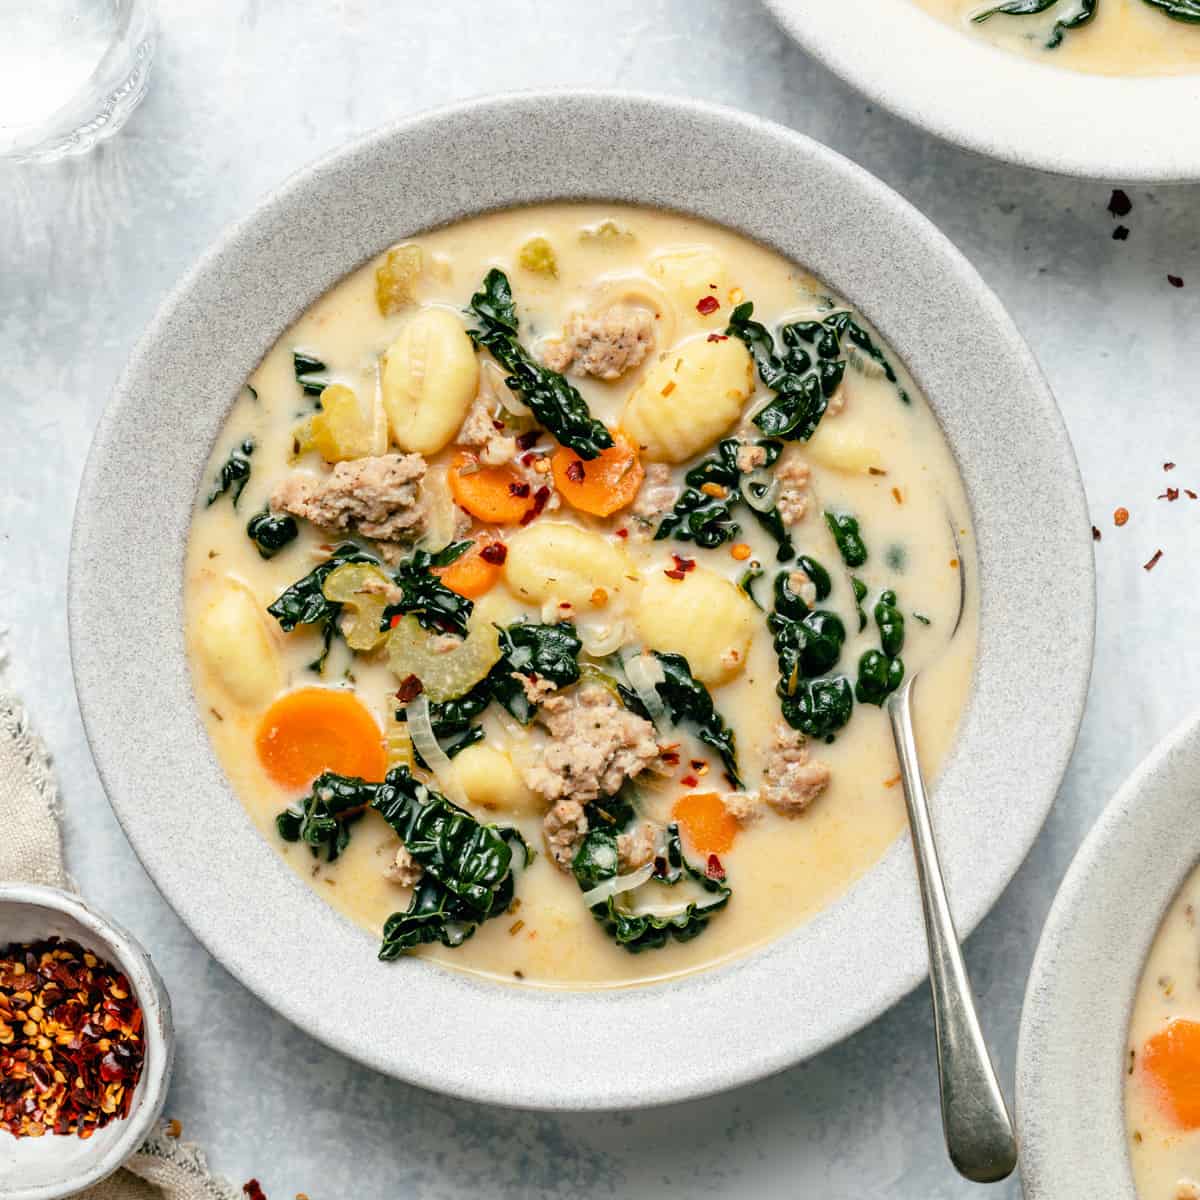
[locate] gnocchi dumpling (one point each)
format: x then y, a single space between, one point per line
550 560
843 445
235 643
691 397
430 376
490 780
689 273
702 616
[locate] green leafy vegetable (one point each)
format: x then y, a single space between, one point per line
881 672
270 533
819 707
708 520
1027 8
649 929
891 624
688 700
323 818
1187 11
611 812
844 528
750 576
548 651
305 367
806 647
555 403
860 594
426 597
234 474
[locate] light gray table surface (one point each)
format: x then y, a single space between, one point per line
246 91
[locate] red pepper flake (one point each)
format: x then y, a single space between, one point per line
1119 203
253 1189
622 533
717 337
1189 493
494 553
539 502
1168 466
660 866
689 781
1120 517
684 565
409 689
707 305
670 757
1095 534
714 870
528 439
1149 566
697 764
520 490
1121 233
1170 494
575 472
498 425
394 621
527 459
1175 281
673 574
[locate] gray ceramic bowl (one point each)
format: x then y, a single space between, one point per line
577 1049
1074 1028
49 1167
999 103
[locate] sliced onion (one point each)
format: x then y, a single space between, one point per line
602 640
618 884
644 671
426 744
760 478
864 364
441 520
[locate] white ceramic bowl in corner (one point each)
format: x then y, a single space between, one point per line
563 1049
47 1168
1073 1045
999 103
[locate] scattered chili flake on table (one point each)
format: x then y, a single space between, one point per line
253 1190
1149 566
1169 494
1175 281
1095 534
1168 466
1119 203
71 1047
1120 517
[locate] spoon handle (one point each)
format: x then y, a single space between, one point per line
979 1132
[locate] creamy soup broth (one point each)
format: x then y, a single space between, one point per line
880 458
1125 37
1162 1086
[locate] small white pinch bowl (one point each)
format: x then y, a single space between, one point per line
1073 1047
1135 129
49 1167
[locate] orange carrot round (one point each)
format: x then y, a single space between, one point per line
477 570
497 495
317 729
1171 1061
705 822
602 485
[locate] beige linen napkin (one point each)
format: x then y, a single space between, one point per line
164 1168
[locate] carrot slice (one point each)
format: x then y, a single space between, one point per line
705 822
317 729
1171 1060
472 574
497 495
602 485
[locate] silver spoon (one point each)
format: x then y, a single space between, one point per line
975 1120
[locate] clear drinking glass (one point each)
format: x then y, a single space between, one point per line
71 72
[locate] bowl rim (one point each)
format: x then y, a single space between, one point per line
1088 126
128 953
1079 999
523 148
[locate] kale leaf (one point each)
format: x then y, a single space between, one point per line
270 533
555 403
1027 8
708 520
881 672
818 707
304 603
304 366
688 700
325 815
844 528
1187 11
597 860
548 651
426 597
234 473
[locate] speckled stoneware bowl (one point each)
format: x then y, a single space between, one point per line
563 1049
999 103
1073 1047
46 1168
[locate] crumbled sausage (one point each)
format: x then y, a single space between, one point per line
535 687
375 496
595 744
637 847
744 807
791 781
800 585
479 429
563 830
792 475
654 500
749 456
604 344
404 869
